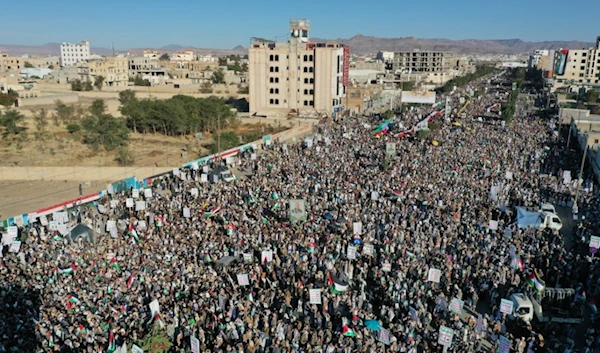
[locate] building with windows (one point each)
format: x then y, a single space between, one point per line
71 54
297 77
577 67
422 61
11 63
115 71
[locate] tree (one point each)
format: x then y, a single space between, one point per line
76 85
243 89
98 81
125 157
590 96
11 122
104 131
164 57
73 128
206 87
156 341
41 121
223 61
98 107
87 85
27 64
63 114
218 76
139 81
7 100
228 139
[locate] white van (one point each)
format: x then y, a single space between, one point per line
547 207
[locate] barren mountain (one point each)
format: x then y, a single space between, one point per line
359 44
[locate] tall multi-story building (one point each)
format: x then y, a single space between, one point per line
10 63
115 71
422 61
71 54
298 76
579 67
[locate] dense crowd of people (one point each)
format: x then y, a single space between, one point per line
226 266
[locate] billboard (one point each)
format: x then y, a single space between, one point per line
425 97
346 73
561 61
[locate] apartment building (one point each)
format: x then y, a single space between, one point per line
151 54
143 66
71 54
115 71
10 63
186 55
422 61
577 67
298 76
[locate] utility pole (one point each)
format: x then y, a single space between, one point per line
570 128
581 173
219 136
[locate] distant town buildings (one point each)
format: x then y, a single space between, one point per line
71 54
114 70
151 54
422 61
187 55
299 76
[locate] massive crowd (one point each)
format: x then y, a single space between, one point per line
427 207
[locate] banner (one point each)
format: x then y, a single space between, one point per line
297 210
390 149
434 275
506 306
315 296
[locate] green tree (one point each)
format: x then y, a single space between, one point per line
87 85
590 96
73 128
76 85
98 82
104 131
63 114
98 107
11 122
139 81
7 100
125 157
206 87
41 121
156 341
27 64
228 139
164 57
218 76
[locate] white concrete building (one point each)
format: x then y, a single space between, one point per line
71 54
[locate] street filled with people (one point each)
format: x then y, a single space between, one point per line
339 242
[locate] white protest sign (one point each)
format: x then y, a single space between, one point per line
111 225
315 296
135 193
113 233
114 203
369 249
129 203
62 229
154 307
53 225
267 256
374 195
62 217
434 275
386 267
195 343
44 220
506 306
13 231
147 193
253 156
140 205
194 192
493 225
101 209
508 175
504 345
243 279
383 336
445 336
204 178
32 217
186 212
19 220
176 171
15 246
595 242
456 305
7 239
247 257
357 228
351 252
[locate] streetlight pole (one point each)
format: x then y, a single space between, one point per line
581 173
569 137
219 135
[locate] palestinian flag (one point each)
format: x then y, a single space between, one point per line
536 284
348 332
114 264
111 343
274 195
230 229
157 319
381 129
212 212
130 281
159 221
132 233
81 329
73 300
57 237
250 298
65 271
336 288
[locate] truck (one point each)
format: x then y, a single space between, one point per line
558 303
538 220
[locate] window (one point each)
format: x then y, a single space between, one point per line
270 57
583 61
270 101
276 57
312 80
305 69
305 91
276 101
310 69
276 79
310 58
311 103
276 68
595 141
305 58
271 90
271 79
582 68
306 103
584 54
305 80
271 69
312 91
276 90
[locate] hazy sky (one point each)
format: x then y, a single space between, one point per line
225 24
